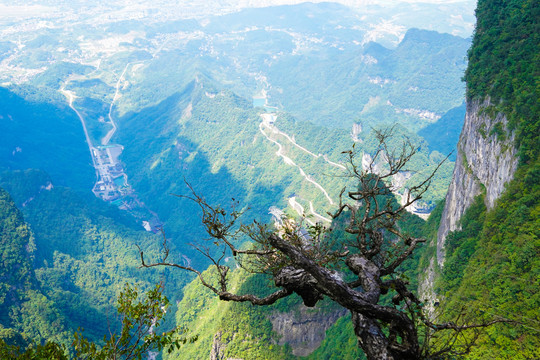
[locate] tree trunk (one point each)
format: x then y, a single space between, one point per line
379 346
371 338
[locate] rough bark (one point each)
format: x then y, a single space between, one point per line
310 280
371 338
300 282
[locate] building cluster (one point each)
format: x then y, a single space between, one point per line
112 182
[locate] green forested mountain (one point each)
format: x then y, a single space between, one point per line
27 314
41 132
67 260
216 141
492 265
373 84
504 65
17 252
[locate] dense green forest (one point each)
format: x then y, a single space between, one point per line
492 265
205 147
18 248
45 134
68 259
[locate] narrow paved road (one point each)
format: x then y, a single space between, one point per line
70 96
107 138
267 119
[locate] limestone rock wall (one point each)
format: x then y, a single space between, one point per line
486 161
305 329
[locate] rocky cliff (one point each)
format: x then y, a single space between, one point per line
305 329
491 266
486 161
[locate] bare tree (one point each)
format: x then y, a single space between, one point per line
354 271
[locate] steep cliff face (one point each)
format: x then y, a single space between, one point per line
491 264
304 330
486 161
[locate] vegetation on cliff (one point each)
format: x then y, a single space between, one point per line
492 264
504 65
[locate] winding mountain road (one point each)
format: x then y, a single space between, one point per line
110 133
290 162
267 118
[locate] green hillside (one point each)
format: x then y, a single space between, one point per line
17 274
492 265
43 133
68 259
216 141
26 312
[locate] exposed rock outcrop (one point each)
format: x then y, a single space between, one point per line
218 348
355 132
486 161
304 330
425 288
